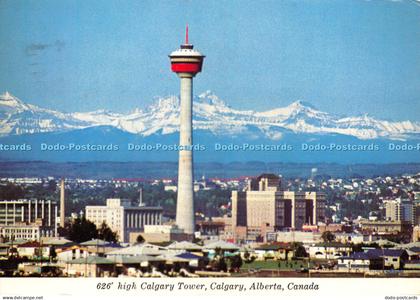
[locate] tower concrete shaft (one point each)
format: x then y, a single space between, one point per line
185 200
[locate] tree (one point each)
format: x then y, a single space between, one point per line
105 233
357 247
197 241
3 239
246 256
11 192
328 237
203 262
53 253
52 186
140 239
63 231
220 264
300 251
218 252
236 263
82 230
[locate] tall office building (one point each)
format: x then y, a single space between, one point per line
265 207
122 217
416 208
400 210
28 218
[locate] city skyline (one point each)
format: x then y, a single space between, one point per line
89 56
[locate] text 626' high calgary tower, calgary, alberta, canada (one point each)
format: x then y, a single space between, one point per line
186 63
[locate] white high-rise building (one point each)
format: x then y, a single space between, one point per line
122 217
400 210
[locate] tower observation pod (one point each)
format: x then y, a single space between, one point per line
186 63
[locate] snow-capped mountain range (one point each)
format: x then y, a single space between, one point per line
210 113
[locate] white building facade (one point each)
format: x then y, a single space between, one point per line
124 218
28 218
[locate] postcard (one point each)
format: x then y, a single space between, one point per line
210 148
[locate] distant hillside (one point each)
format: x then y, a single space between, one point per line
153 170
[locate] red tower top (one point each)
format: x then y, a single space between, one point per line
186 59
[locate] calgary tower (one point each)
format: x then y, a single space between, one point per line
186 63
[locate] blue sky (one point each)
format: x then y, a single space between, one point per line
344 56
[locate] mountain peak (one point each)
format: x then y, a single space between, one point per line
207 94
102 112
9 102
164 104
301 104
6 95
209 97
136 110
210 113
9 97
